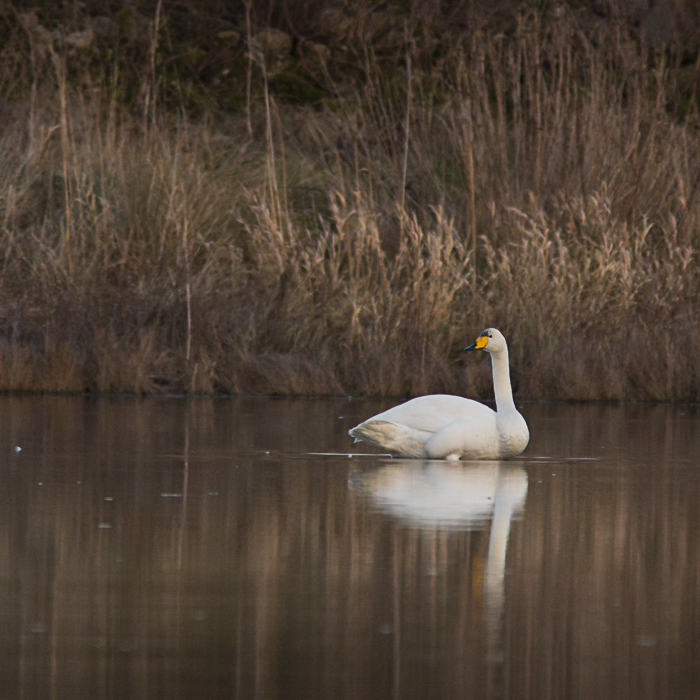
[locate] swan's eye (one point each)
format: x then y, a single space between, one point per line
490 335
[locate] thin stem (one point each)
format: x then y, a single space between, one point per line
284 159
154 48
249 74
469 127
65 147
408 132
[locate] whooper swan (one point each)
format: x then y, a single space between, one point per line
441 426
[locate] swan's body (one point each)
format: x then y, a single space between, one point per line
441 426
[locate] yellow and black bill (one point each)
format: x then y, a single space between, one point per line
480 343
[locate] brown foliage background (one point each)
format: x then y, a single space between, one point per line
321 198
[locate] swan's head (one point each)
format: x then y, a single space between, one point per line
491 340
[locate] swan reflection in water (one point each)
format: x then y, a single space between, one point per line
469 496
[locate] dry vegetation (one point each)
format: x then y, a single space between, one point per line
163 234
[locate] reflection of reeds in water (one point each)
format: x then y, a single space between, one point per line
284 584
542 187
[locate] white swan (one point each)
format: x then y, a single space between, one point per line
449 427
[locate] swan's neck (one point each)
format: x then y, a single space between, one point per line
501 381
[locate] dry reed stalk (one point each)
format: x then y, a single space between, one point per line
280 131
188 292
65 148
469 139
407 128
249 72
271 162
153 92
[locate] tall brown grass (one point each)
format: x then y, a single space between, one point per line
543 181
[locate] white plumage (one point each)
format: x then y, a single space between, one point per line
441 426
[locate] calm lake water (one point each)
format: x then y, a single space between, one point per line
197 549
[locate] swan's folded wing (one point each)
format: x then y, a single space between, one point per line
392 437
432 413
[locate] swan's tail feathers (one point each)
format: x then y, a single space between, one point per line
395 438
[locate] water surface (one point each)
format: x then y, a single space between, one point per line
179 549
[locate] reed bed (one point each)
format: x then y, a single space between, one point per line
542 182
